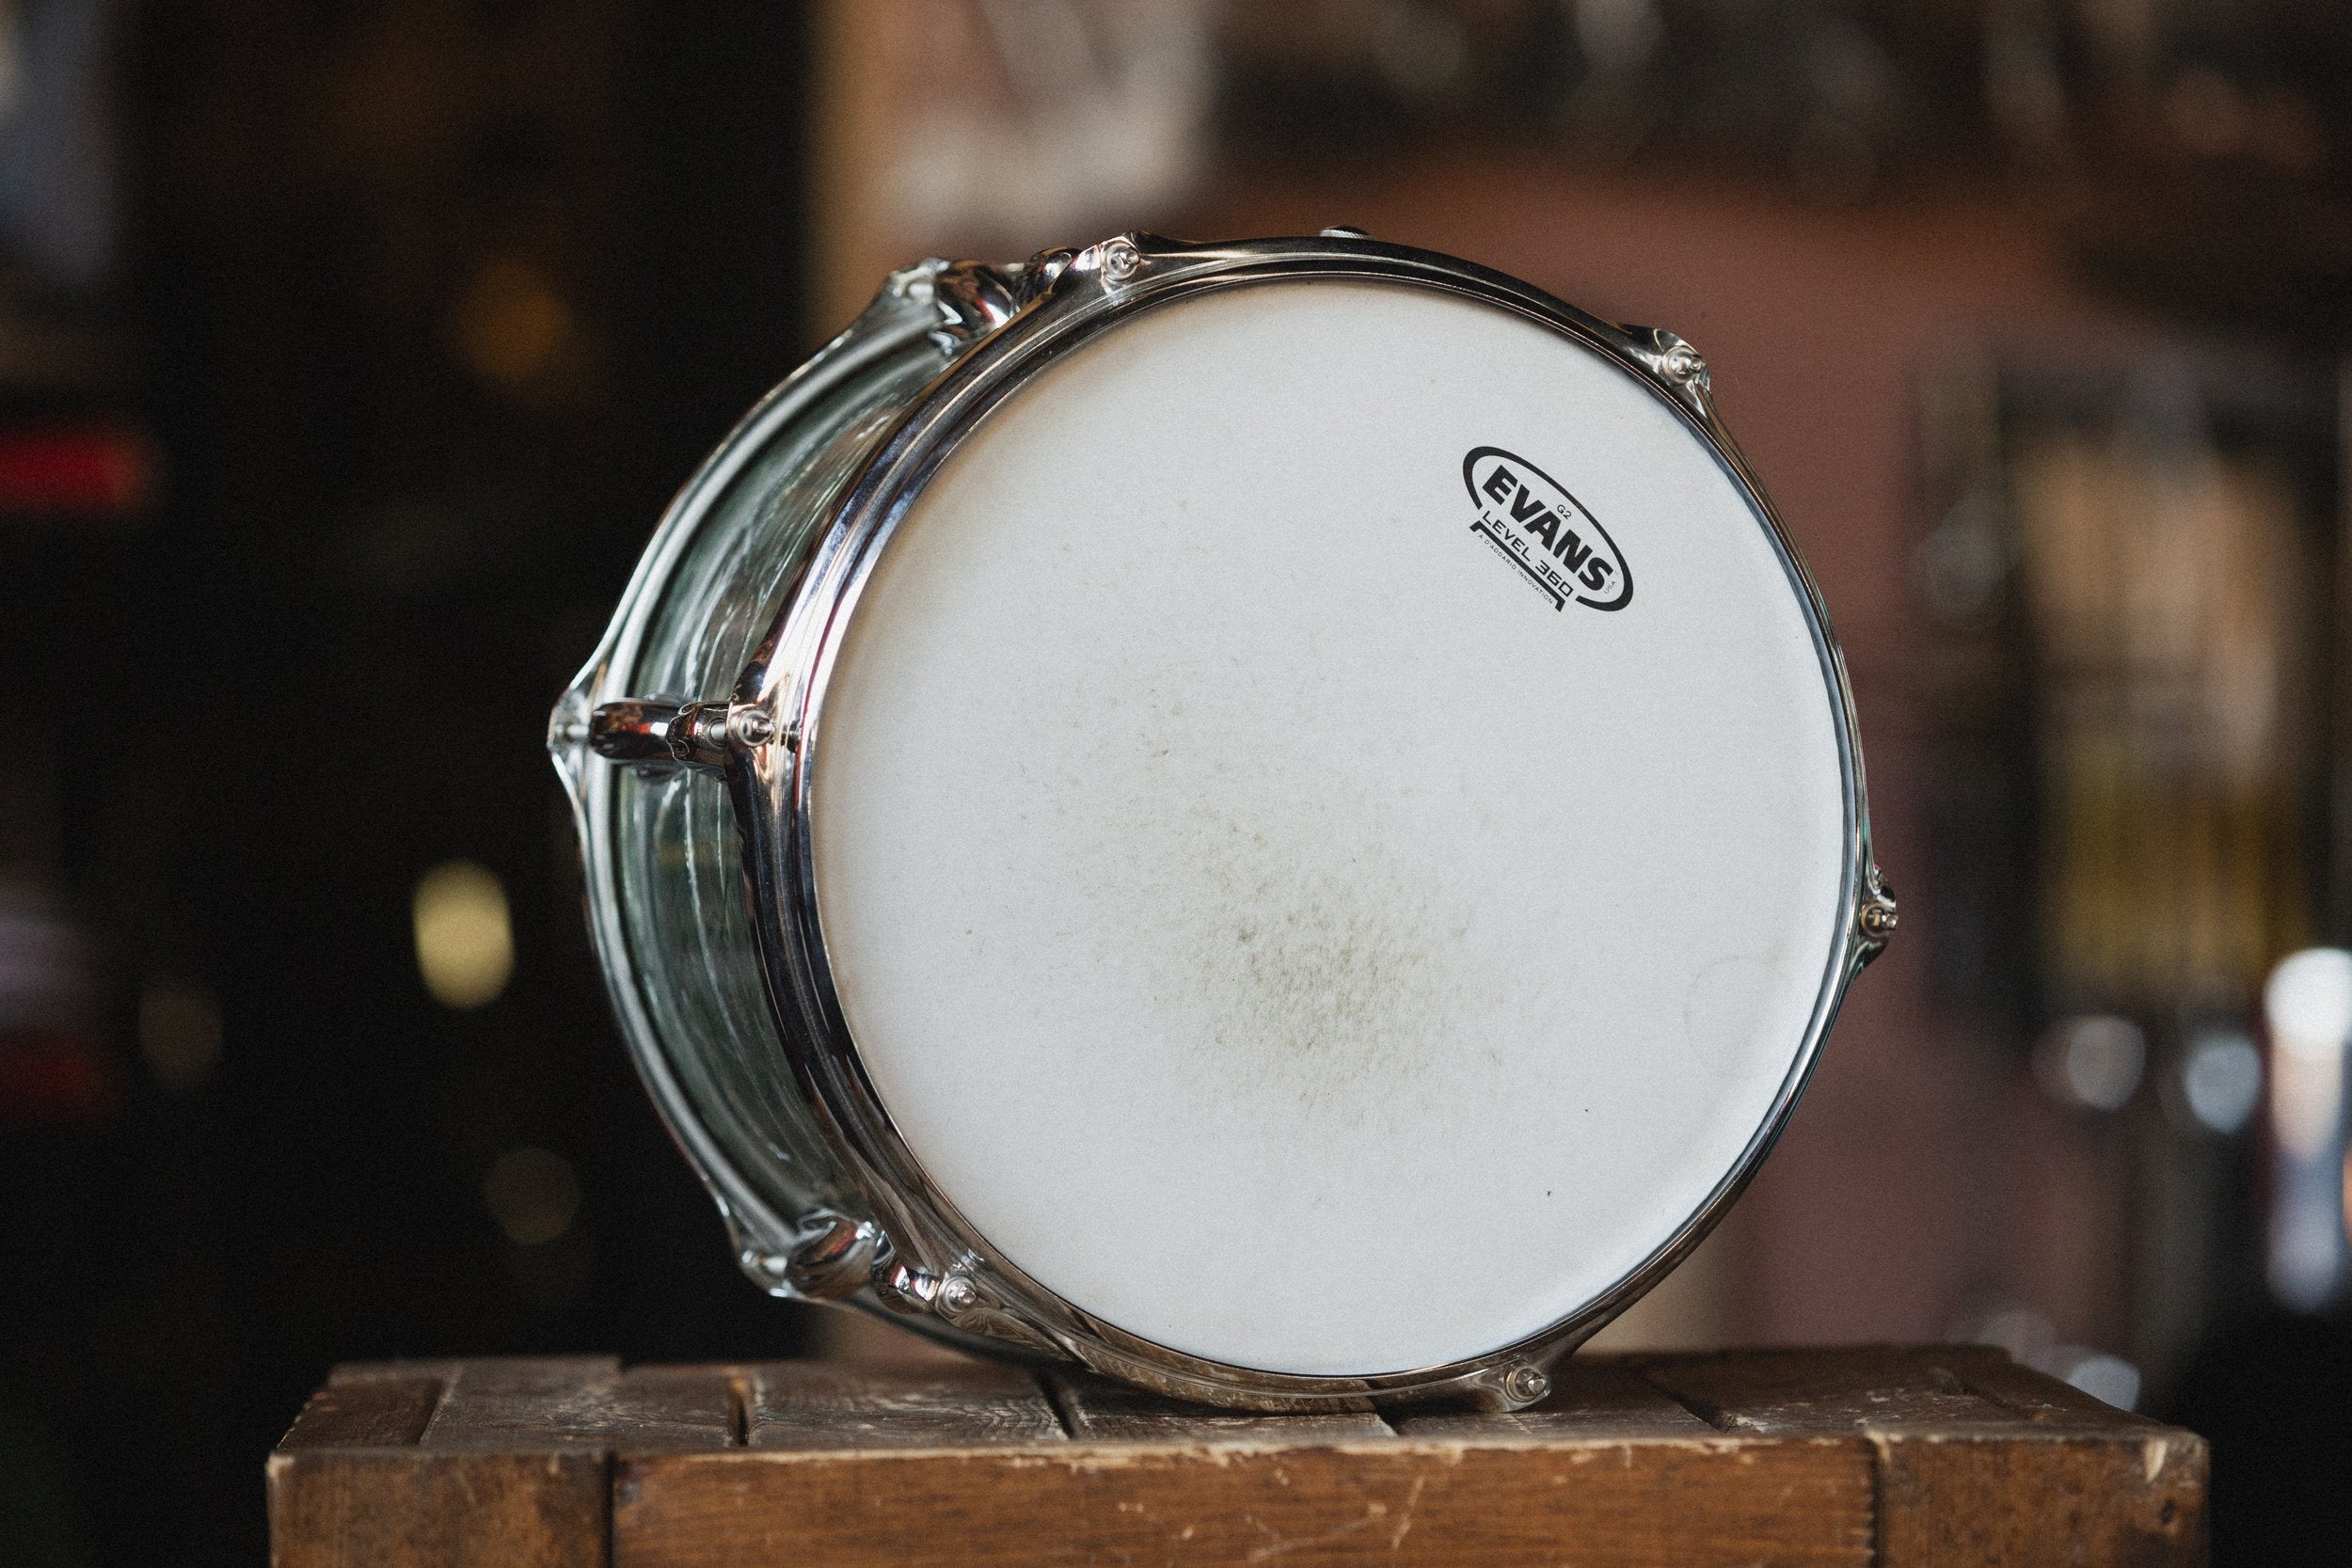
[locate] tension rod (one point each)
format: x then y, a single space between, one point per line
662 732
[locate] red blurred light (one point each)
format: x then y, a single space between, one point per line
91 471
55 1076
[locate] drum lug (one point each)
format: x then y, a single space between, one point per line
1110 265
903 1290
973 299
833 1259
1673 364
659 733
1874 915
1041 272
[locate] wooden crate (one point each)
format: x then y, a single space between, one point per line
1894 1457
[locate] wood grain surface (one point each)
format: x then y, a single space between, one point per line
2114 1487
1874 1456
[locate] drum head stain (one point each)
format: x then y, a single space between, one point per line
1326 983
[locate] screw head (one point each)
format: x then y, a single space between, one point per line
1120 259
1878 918
752 726
957 1295
1526 1385
1683 363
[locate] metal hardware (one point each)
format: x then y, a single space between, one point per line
1674 365
1120 260
832 1262
903 1290
973 299
1042 271
1525 1385
1346 231
567 726
963 1304
957 1295
749 725
660 732
1876 914
638 730
999 327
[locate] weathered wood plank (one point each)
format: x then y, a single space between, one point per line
411 1508
2061 1499
1589 1401
1980 1460
1806 1392
1896 1458
582 1402
678 1408
504 1403
476 1464
2043 1400
441 1369
815 1404
384 1412
1098 1411
1706 1501
498 1479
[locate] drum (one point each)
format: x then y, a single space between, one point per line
1276 819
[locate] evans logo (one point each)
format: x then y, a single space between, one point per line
1539 528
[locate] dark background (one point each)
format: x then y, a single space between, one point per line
366 574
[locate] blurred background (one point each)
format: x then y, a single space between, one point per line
349 348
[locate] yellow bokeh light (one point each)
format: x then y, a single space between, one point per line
534 1194
465 941
179 1035
511 325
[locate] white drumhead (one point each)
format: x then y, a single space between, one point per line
1273 922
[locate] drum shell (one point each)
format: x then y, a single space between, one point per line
662 857
733 608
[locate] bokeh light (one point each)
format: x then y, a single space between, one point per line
2221 1080
465 939
2093 1062
179 1035
2308 1003
534 1194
